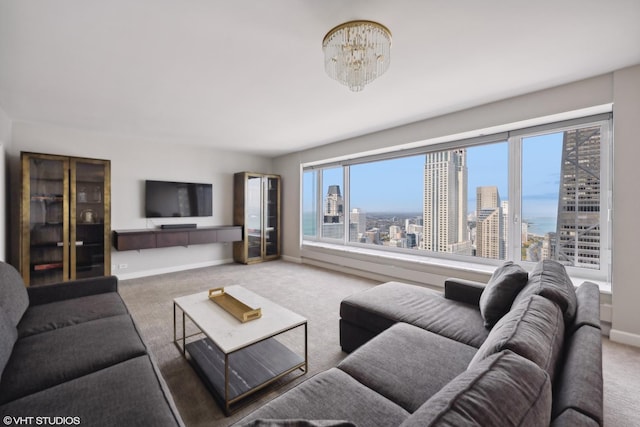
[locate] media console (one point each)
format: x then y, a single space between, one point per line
127 240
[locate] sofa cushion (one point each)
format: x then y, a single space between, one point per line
124 394
380 307
550 279
335 395
534 329
502 390
46 317
497 297
399 364
13 294
51 358
299 423
72 289
8 337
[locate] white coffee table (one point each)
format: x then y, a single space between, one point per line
236 359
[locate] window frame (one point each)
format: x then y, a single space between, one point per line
514 139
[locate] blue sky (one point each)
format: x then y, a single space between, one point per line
397 185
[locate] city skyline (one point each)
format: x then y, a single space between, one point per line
487 166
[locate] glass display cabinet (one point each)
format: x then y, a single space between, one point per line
257 210
65 218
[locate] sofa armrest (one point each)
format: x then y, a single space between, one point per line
466 291
72 289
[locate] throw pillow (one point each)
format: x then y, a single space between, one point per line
498 295
549 278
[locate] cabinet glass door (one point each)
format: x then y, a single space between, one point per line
45 220
89 208
253 219
271 240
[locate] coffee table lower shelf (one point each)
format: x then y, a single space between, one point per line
250 369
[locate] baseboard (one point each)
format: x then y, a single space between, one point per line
146 273
606 312
288 258
624 337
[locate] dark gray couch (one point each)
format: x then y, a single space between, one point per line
421 358
72 350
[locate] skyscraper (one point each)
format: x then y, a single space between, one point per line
333 224
490 224
578 227
357 224
334 205
445 201
359 217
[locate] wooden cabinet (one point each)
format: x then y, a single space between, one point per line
257 209
127 240
64 218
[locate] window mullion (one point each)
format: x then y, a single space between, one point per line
514 229
346 196
320 204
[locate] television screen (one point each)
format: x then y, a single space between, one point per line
177 199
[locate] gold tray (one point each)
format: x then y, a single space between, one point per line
237 308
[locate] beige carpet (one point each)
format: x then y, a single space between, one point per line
316 294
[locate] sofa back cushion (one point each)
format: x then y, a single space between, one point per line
497 297
501 390
534 329
8 337
13 294
550 279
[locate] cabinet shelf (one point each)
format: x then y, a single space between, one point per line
127 240
48 266
47 198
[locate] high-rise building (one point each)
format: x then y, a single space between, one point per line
395 232
359 218
333 223
333 204
445 201
489 224
505 226
578 227
373 236
549 246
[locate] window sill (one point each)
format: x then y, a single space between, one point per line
446 267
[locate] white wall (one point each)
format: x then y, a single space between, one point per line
620 88
133 161
626 206
5 141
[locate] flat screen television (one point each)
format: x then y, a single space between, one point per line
165 199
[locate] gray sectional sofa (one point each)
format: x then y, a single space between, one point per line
70 354
522 350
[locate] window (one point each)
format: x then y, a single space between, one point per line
562 196
385 202
309 203
526 195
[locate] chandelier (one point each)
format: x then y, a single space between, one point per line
357 52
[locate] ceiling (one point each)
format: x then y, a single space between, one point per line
248 75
